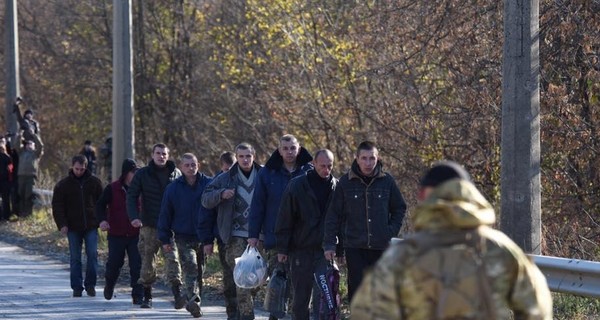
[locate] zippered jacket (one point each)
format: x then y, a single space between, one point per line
364 216
147 185
74 202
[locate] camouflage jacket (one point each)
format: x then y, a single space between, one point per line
405 286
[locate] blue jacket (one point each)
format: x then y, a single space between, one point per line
272 181
182 213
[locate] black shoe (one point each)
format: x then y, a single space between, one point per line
146 304
91 291
77 293
194 308
109 291
180 300
147 301
137 300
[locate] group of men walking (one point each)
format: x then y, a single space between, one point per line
292 209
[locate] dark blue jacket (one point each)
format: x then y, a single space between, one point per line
272 181
182 213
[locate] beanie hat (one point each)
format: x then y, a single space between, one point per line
128 166
443 171
28 111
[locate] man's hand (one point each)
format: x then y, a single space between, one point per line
136 223
104 226
227 194
64 230
252 242
167 247
329 255
283 258
208 250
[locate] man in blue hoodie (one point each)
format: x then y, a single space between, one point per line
183 222
290 160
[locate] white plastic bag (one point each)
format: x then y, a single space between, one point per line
250 269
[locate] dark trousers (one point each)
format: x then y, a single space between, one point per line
117 248
5 194
303 264
358 261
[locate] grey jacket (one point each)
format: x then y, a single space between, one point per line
211 198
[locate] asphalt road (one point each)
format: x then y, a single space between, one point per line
37 287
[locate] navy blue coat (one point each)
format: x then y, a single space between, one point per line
182 213
272 181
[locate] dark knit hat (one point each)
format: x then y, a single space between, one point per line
443 171
128 166
28 111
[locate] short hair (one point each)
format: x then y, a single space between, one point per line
227 157
326 152
443 171
188 156
365 145
288 138
245 146
81 159
159 145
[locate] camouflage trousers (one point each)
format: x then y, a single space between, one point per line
149 245
229 287
245 297
191 258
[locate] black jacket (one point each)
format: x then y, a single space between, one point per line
145 183
74 202
365 216
300 223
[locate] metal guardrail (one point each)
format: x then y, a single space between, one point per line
579 277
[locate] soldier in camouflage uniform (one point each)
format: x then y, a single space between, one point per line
231 193
455 266
183 222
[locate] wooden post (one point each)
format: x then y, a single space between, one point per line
520 160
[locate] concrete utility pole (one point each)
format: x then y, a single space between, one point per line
520 174
122 116
11 54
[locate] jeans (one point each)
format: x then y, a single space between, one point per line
76 239
118 246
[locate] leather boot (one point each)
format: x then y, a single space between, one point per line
180 300
147 301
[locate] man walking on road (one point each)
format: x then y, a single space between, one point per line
185 224
73 203
366 211
300 226
122 237
290 160
150 183
231 192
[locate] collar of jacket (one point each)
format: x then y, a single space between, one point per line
85 175
276 160
199 177
170 166
353 173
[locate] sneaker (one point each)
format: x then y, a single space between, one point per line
91 291
109 292
77 293
194 308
